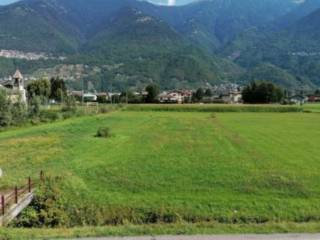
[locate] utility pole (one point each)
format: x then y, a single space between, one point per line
82 97
111 94
127 96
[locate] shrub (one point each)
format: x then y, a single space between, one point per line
19 113
40 88
5 110
50 116
103 132
104 109
67 115
69 104
47 208
58 89
34 107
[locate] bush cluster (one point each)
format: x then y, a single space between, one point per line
11 113
18 113
51 208
103 132
47 209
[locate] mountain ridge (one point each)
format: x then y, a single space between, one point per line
197 44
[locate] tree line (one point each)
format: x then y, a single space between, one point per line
40 92
257 92
262 93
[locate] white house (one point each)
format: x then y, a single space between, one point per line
232 97
90 97
171 97
298 99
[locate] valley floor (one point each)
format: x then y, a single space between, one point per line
169 167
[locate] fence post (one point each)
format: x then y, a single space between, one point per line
2 205
16 194
29 184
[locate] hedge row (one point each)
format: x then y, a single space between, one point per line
213 108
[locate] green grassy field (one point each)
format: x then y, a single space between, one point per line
158 229
314 107
176 167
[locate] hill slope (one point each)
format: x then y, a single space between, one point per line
150 50
303 10
129 47
211 24
173 46
294 48
24 27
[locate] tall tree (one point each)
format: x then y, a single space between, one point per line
5 109
262 92
58 89
208 93
40 88
153 93
198 95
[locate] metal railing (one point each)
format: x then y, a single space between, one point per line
13 196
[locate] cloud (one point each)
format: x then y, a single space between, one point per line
171 2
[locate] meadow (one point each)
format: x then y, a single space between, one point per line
175 167
314 107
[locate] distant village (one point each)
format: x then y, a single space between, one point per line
30 56
224 93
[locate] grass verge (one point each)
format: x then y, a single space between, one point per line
159 229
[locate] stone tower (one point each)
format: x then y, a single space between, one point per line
18 86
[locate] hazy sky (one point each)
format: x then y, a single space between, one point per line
3 2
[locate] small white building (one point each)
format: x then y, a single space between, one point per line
298 99
90 97
236 97
232 97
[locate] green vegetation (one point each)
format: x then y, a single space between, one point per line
58 89
173 167
12 113
274 74
126 51
212 108
153 93
131 44
291 53
314 107
262 92
157 229
103 132
166 48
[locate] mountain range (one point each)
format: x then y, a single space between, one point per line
128 43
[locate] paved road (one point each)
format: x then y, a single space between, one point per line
223 237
